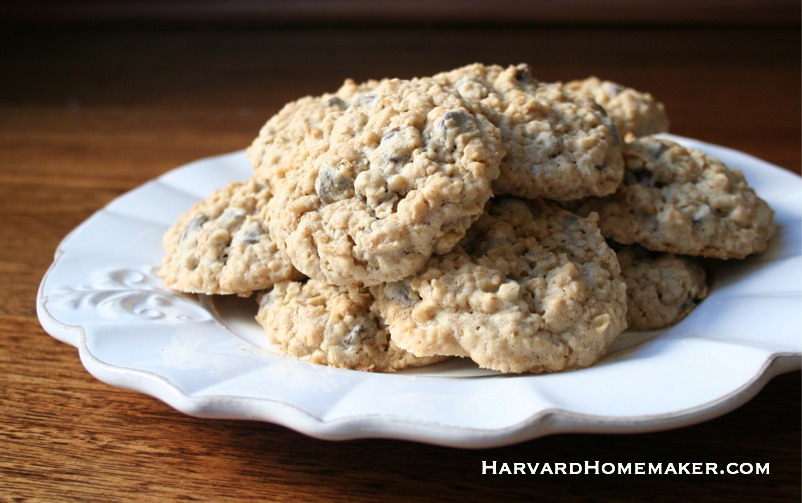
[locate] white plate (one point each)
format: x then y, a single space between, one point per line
207 357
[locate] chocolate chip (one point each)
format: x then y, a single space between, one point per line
613 88
448 128
639 177
400 292
354 336
194 226
397 144
389 134
485 244
332 184
265 299
610 125
365 100
523 73
249 235
657 149
457 119
336 102
686 305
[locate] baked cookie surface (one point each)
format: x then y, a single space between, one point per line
531 288
679 200
222 245
559 146
333 326
662 288
634 113
397 174
279 139
299 131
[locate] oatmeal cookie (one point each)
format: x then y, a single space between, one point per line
333 326
397 174
634 113
679 200
559 146
222 245
531 288
662 288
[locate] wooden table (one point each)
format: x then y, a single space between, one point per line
88 114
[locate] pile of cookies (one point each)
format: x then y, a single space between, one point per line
477 213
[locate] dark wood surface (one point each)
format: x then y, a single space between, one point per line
88 114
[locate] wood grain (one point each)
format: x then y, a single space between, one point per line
86 115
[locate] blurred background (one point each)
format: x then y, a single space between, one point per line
151 84
382 11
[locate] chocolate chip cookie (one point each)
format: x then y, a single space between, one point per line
679 200
397 173
330 325
559 145
222 245
531 288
